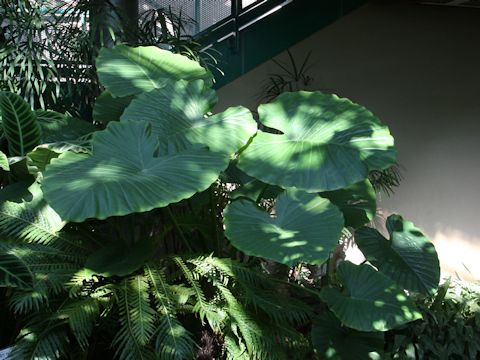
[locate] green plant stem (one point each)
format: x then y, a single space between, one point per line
213 214
179 230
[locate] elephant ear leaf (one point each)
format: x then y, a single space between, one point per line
125 174
177 113
304 229
408 258
331 340
322 143
357 203
20 125
126 71
370 300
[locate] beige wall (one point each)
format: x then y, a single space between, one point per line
417 68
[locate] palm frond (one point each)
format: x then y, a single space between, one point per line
137 320
173 340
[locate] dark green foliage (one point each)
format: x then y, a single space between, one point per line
130 242
450 328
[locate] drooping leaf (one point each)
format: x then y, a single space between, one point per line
108 108
408 258
177 114
117 259
370 300
20 125
256 190
304 229
39 158
125 175
327 143
331 340
357 203
128 71
57 127
4 162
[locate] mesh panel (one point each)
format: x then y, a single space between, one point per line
205 13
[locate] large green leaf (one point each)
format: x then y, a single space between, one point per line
19 124
357 202
108 108
128 71
120 260
59 127
304 229
370 301
125 175
327 143
331 340
408 258
177 114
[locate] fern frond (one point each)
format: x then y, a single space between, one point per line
255 289
173 340
234 350
137 320
34 222
26 301
80 315
41 339
204 309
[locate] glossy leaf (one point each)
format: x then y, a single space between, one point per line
20 125
327 143
357 203
128 71
331 340
125 175
370 300
177 114
304 229
408 258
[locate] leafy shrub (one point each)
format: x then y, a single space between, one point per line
450 328
152 238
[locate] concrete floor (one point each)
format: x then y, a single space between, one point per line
418 68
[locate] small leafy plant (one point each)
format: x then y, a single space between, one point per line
151 236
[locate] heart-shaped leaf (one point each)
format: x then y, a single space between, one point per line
370 301
327 143
331 340
119 260
408 258
125 70
177 114
304 229
125 175
357 202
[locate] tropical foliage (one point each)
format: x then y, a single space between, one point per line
155 236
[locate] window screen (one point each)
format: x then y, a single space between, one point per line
204 13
